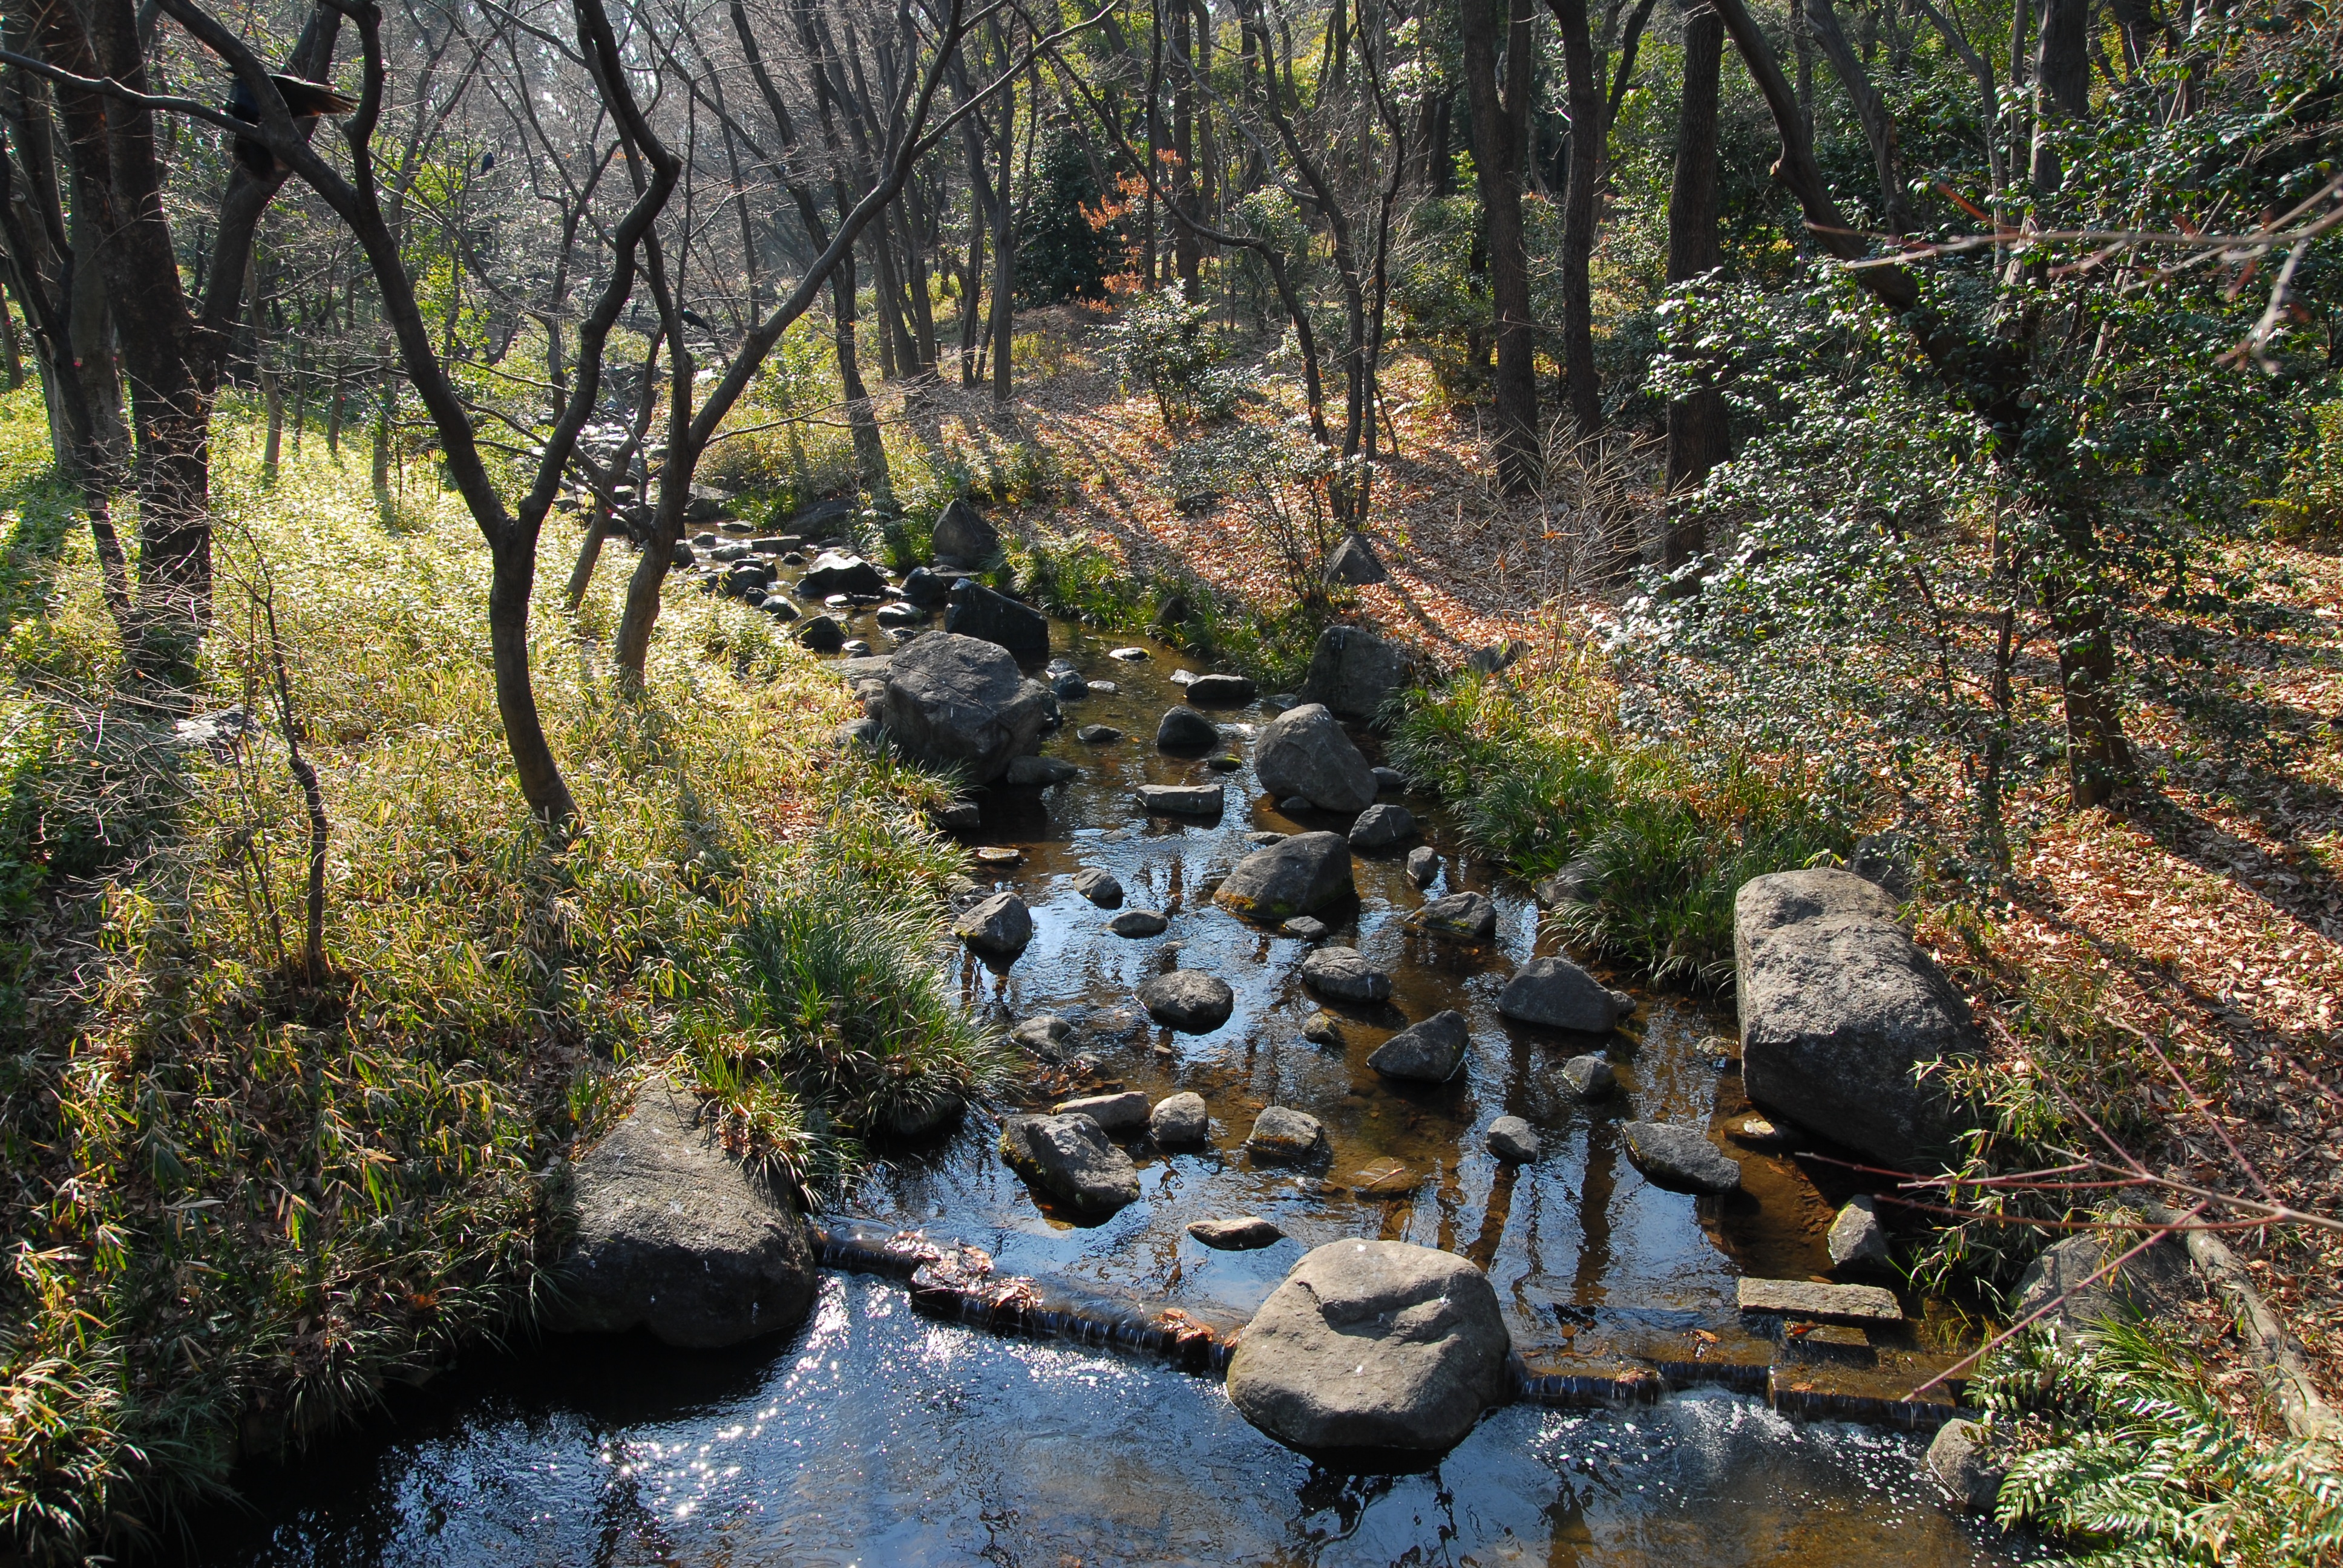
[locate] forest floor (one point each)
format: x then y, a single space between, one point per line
2203 912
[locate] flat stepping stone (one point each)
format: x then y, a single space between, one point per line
1184 799
1128 654
1265 837
1221 690
1189 1001
1100 886
1098 734
1138 923
998 855
1225 764
1681 1158
1304 927
1122 1112
1341 973
1182 676
1103 688
1247 1235
1810 1299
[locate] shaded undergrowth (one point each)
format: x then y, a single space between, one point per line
1655 839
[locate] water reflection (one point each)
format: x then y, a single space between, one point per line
882 1437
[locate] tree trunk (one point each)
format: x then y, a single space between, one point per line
1696 424
1588 120
1870 113
512 572
1496 156
382 446
870 451
1188 252
1004 257
272 394
16 359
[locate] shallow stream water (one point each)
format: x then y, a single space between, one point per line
879 1436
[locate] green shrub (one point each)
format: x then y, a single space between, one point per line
2124 1453
1161 344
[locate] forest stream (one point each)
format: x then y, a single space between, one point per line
881 1434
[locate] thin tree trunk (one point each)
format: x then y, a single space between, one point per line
15 361
271 397
1588 120
1497 157
1696 424
1870 113
870 449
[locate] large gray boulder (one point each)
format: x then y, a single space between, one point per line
836 571
1071 1158
2157 1284
963 537
998 925
1304 751
1839 1012
959 702
674 1237
1298 875
1963 1459
1344 974
1558 994
1188 1001
977 612
1353 671
1679 1157
1374 1345
1426 1052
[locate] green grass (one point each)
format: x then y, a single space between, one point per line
1543 778
1072 577
236 1205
